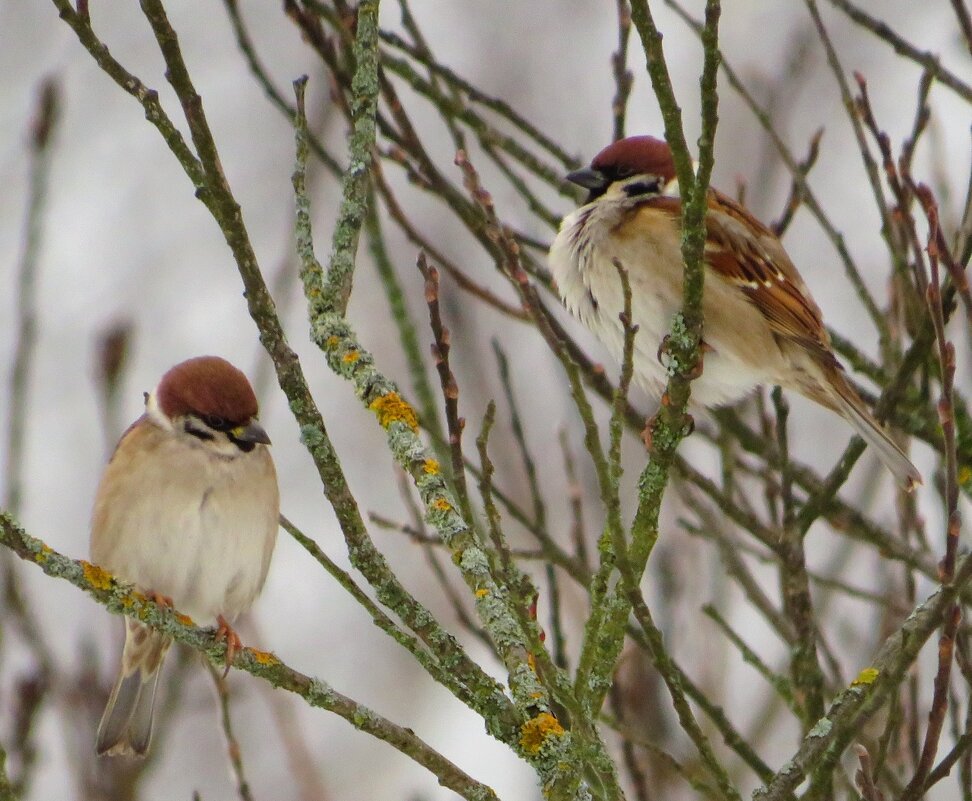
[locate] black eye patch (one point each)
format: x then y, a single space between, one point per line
242 444
647 187
199 433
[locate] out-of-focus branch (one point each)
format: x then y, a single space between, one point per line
904 48
233 752
16 607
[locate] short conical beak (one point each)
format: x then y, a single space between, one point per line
251 432
588 178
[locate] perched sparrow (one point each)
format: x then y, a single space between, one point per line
187 511
761 325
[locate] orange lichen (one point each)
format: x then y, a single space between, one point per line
430 467
97 577
482 592
332 342
351 357
44 552
534 733
441 505
185 620
263 657
391 408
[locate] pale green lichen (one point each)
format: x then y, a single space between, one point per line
319 694
311 436
473 560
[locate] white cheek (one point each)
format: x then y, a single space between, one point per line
155 414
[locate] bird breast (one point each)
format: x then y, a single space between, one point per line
646 242
176 520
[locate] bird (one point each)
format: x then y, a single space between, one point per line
761 325
187 510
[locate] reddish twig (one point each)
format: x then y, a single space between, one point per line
447 380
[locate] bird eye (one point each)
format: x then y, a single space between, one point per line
214 421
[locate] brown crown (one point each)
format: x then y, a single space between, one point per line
636 155
207 385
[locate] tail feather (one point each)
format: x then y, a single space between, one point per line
852 409
126 725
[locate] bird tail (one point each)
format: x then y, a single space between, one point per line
126 725
850 406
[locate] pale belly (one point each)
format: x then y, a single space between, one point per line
195 537
591 289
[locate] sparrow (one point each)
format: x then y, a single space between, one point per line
761 326
187 511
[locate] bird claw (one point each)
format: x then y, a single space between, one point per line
662 348
689 427
233 642
697 368
647 432
160 599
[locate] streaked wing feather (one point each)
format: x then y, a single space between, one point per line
760 267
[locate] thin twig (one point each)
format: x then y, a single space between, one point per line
233 751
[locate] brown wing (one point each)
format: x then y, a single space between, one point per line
761 268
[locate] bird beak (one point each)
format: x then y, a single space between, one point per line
588 178
251 432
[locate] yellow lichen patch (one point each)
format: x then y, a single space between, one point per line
263 657
482 592
430 467
185 620
532 662
97 577
534 733
351 357
964 475
441 505
391 408
44 552
332 342
865 677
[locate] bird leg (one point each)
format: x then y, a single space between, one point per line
233 642
160 599
647 432
666 358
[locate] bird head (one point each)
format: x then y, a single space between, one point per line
211 404
636 166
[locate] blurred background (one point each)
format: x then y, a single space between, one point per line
127 258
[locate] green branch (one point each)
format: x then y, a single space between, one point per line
122 599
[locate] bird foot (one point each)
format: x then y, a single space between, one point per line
697 368
648 432
160 599
689 428
233 642
663 349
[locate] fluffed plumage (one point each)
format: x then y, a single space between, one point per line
761 324
186 510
